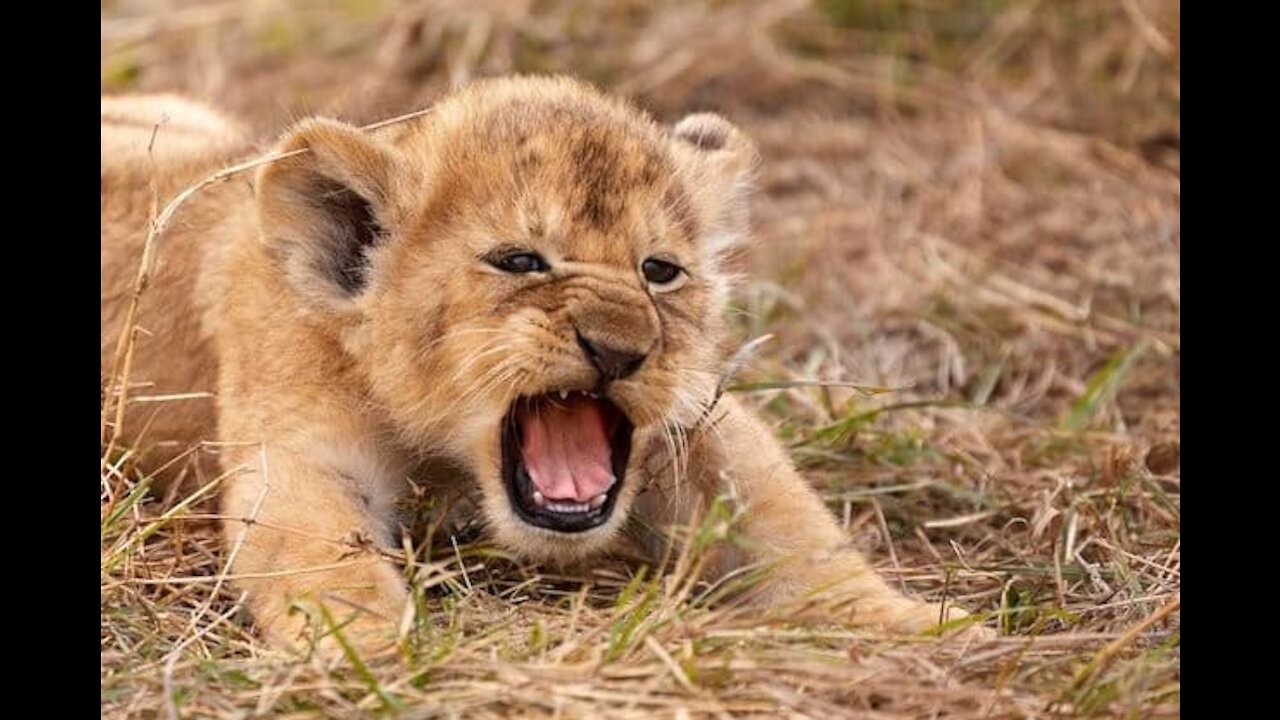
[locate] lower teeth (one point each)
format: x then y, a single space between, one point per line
596 503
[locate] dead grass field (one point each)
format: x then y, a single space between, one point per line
975 203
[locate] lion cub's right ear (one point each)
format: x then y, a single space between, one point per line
324 212
718 161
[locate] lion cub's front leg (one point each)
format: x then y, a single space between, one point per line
788 529
316 517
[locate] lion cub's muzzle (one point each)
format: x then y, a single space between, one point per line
565 452
564 457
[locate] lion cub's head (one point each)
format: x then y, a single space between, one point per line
528 280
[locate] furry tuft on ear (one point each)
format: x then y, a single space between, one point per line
718 161
323 212
706 131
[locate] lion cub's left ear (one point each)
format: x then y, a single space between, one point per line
718 162
324 212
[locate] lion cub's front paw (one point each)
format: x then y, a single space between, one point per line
338 630
353 610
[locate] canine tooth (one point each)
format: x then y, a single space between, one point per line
593 396
597 501
538 499
564 394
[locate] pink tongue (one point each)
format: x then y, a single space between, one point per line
566 448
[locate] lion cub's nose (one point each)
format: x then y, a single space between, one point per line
613 363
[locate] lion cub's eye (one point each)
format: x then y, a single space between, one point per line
519 262
662 274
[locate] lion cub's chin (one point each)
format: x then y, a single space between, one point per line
543 545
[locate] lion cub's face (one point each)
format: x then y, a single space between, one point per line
528 281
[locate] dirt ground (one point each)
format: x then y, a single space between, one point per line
977 204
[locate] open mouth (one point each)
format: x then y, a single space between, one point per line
564 456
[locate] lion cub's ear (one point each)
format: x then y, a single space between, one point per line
718 162
325 211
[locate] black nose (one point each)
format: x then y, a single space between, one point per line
613 364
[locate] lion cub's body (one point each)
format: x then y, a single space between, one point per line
343 307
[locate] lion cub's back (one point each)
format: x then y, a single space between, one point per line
163 136
152 147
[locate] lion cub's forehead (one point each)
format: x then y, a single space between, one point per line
568 169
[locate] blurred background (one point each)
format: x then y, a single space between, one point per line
976 203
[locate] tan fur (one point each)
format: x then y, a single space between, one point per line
334 385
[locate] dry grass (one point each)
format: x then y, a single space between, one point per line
976 206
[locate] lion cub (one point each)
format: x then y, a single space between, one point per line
523 285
